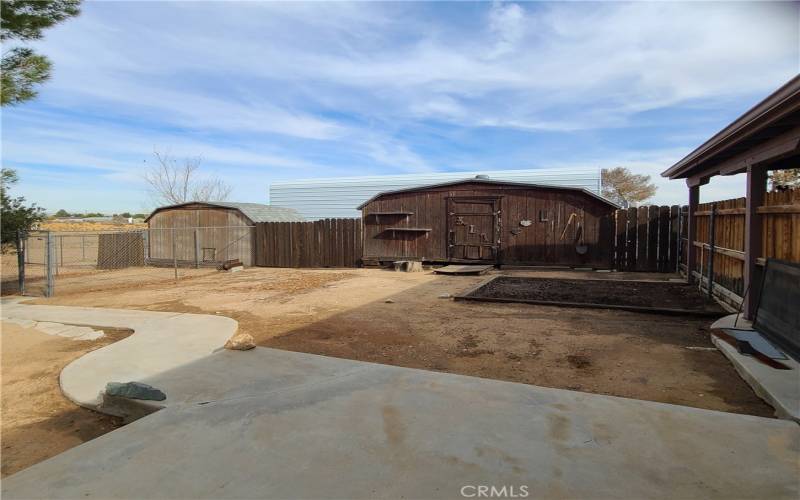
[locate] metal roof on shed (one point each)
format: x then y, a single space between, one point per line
339 197
256 212
478 180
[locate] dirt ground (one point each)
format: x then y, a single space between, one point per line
401 319
650 294
38 421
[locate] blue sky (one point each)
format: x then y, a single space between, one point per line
274 91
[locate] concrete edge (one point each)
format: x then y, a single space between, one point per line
781 411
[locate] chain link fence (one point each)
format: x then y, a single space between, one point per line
41 260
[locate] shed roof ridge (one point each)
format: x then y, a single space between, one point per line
255 212
488 181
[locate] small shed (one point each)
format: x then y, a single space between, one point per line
485 221
209 233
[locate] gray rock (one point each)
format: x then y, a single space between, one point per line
134 390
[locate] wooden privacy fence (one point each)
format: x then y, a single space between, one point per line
646 238
721 234
322 243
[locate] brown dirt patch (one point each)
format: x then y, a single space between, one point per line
38 421
345 313
663 295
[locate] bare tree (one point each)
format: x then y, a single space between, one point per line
623 187
171 182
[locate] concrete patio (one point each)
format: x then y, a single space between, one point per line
305 426
267 423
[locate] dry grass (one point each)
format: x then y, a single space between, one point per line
89 226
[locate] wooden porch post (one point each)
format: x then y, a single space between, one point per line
691 231
756 186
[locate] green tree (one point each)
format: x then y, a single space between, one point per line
14 214
62 213
24 20
622 186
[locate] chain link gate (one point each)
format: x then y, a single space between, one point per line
45 257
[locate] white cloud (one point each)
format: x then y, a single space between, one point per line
284 87
507 24
273 59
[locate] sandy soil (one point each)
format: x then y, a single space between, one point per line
399 318
38 422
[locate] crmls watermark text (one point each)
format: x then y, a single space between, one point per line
486 491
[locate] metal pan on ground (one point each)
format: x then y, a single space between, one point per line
463 270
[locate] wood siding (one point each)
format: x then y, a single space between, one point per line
551 238
322 243
222 234
646 239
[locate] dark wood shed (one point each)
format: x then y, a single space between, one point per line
487 221
209 233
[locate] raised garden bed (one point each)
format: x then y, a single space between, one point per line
644 296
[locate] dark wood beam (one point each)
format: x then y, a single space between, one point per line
762 155
691 231
697 181
756 187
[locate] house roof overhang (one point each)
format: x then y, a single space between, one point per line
763 136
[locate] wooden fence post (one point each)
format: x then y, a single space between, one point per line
756 187
711 252
674 239
175 254
630 244
196 248
663 239
691 233
652 238
621 229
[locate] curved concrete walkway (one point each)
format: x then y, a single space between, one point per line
160 343
266 423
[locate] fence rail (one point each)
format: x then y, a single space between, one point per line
322 243
720 239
